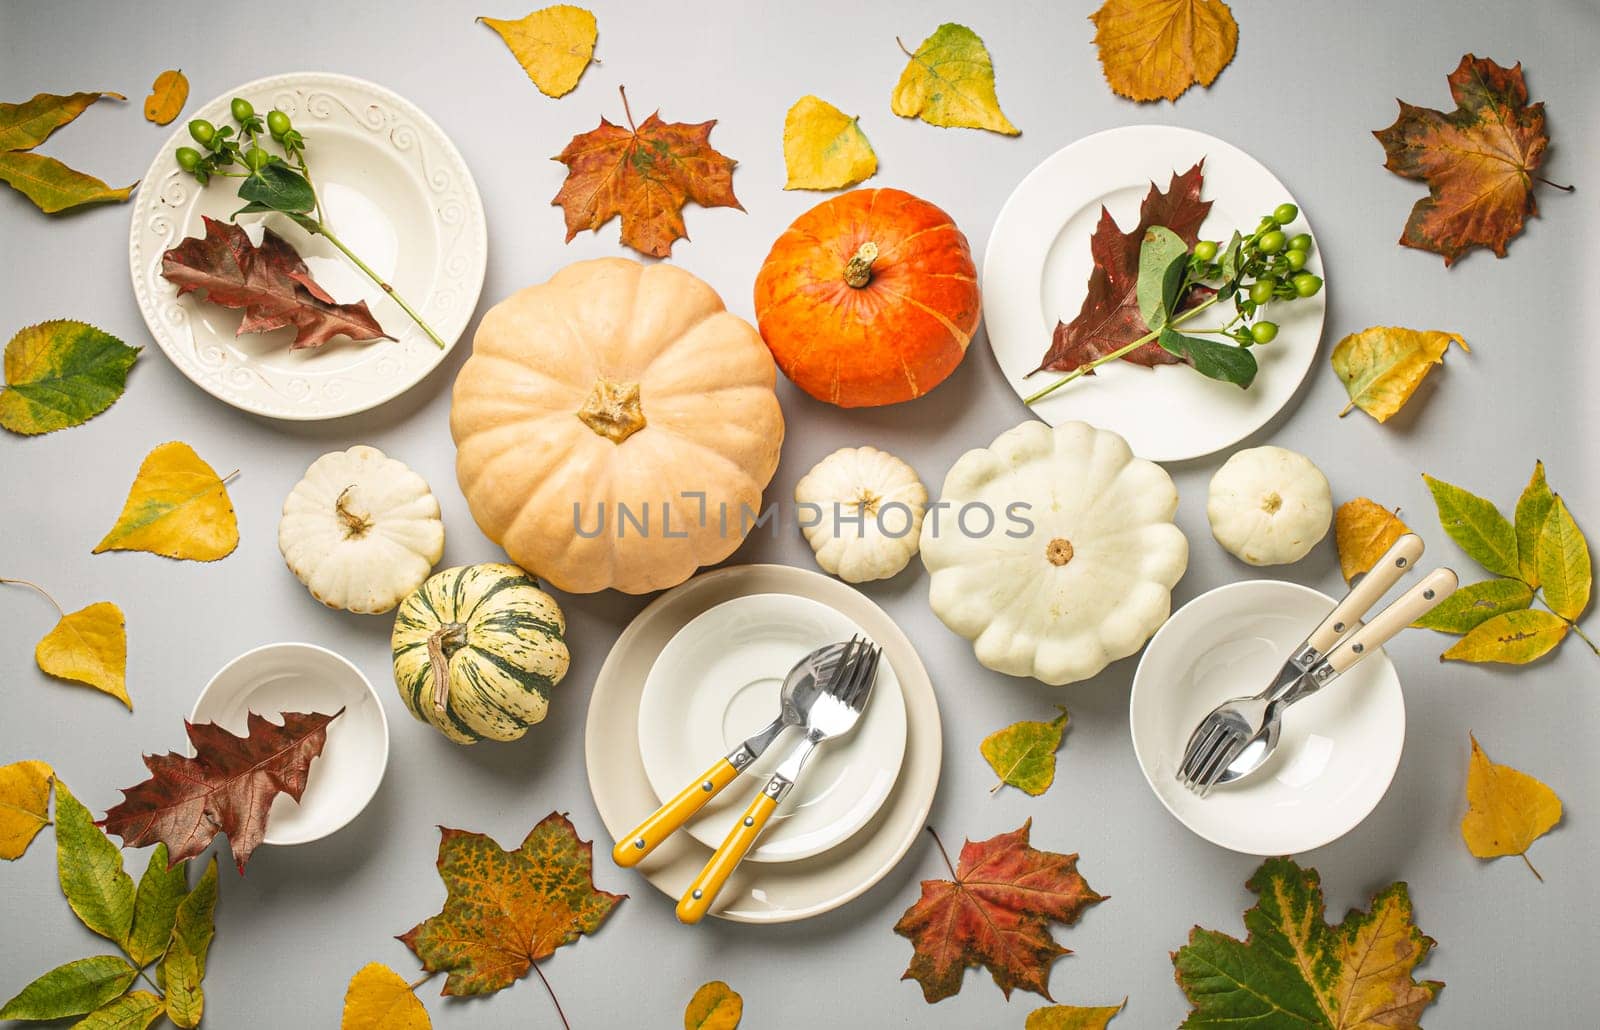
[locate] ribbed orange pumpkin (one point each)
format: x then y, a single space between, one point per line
869 298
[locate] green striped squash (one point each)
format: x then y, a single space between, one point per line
476 651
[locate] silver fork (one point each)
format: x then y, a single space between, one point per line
833 714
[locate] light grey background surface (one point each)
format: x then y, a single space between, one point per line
1309 84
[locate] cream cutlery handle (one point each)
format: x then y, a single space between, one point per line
1411 606
1401 556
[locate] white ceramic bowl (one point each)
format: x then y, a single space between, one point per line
294 677
1339 748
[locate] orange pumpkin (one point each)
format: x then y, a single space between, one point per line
869 298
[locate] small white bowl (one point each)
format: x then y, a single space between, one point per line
294 677
1339 748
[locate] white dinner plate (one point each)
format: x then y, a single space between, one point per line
1339 748
717 682
765 892
394 189
292 677
1037 265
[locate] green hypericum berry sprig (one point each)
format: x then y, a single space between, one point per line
269 181
1266 267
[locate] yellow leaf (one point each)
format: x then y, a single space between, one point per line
1073 1017
715 1006
1564 568
1157 49
554 45
90 646
24 805
378 998
1507 810
1362 530
1381 367
1024 753
1513 638
824 148
178 507
167 96
950 82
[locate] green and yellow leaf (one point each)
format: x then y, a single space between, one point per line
554 45
135 1010
1073 1017
90 869
1533 509
1565 573
26 125
24 805
378 998
1507 810
72 990
1024 753
824 148
177 507
155 906
1512 638
1382 367
1477 526
1477 603
61 373
51 185
183 969
715 1006
950 82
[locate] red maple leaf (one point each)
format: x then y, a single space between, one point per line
228 786
1110 318
270 282
996 913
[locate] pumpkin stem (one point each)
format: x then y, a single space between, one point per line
1058 551
859 271
1271 503
613 410
355 525
442 643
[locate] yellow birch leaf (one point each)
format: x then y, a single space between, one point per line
715 1006
24 805
554 45
1564 568
167 96
178 507
1507 810
1381 367
1514 638
1157 49
950 82
824 148
1073 1017
1024 754
378 998
89 646
1362 530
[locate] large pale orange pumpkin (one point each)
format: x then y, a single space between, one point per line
869 298
614 424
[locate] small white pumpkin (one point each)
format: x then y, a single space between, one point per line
1054 551
361 530
1269 505
861 510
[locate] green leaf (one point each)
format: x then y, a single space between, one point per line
1214 360
132 1011
1024 754
1477 526
155 907
72 989
1163 259
26 125
1469 607
1230 258
1514 638
51 185
1564 569
1533 508
90 870
61 373
184 968
275 187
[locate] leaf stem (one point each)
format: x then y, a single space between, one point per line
1122 351
62 612
627 111
1572 624
1531 869
554 1000
943 853
146 978
1556 185
425 977
320 229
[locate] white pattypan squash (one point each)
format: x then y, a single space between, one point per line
1054 551
1269 505
361 530
861 510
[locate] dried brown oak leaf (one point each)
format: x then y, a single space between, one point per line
270 282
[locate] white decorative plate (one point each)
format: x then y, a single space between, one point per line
1037 264
394 189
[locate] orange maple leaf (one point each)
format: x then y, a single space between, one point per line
1477 160
644 174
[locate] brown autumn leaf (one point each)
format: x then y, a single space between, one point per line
1479 161
995 912
270 282
507 910
1362 530
1157 49
167 96
227 787
1507 810
1110 318
644 175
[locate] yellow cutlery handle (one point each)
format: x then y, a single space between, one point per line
691 799
705 888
